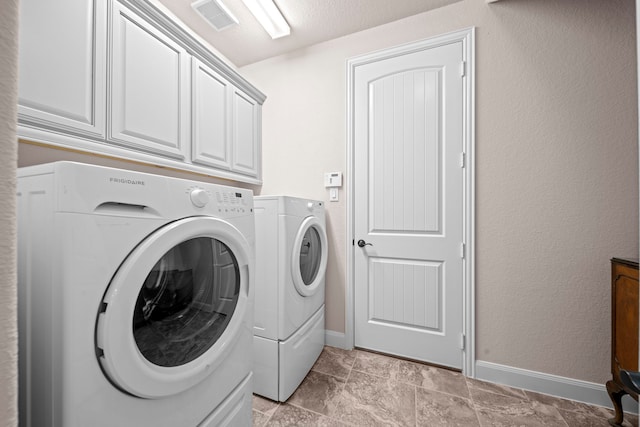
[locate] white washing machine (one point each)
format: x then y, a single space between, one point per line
135 299
291 259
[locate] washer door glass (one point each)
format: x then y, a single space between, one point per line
309 257
186 302
175 307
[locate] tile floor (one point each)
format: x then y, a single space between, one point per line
358 388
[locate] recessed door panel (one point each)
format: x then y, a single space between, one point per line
406 148
406 293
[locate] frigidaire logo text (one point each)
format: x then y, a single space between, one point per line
126 181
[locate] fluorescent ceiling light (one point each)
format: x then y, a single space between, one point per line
268 15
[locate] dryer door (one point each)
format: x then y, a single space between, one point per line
175 307
309 258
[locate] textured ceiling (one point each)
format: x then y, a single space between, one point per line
311 21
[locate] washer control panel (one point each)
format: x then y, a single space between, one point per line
231 201
219 200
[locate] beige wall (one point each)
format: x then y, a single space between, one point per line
556 168
8 154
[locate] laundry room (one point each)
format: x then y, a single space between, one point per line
402 204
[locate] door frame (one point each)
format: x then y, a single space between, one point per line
467 37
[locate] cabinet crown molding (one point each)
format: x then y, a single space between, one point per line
152 13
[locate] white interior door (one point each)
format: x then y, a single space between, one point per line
408 124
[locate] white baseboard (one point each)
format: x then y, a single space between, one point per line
335 339
567 388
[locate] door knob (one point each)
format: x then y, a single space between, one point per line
362 243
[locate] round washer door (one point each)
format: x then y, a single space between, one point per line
175 307
309 257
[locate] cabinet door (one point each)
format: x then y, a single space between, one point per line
246 134
62 65
211 119
149 87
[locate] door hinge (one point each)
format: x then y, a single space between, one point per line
463 68
463 160
463 249
463 341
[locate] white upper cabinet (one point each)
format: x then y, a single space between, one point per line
226 123
211 118
62 81
246 137
149 87
119 78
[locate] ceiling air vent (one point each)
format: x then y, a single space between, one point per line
215 13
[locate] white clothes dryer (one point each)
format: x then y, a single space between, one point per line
135 299
291 260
